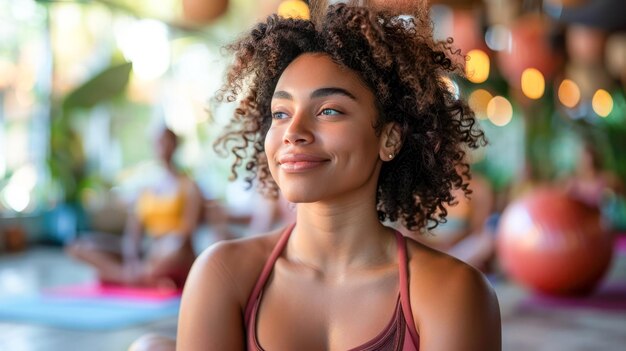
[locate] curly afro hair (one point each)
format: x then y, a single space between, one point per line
398 59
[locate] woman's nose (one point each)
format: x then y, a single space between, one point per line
299 130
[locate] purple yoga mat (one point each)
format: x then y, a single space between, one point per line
610 297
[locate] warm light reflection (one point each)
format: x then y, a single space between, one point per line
24 99
145 43
569 93
499 111
17 199
533 83
602 103
17 192
142 91
478 101
7 73
294 9
451 86
477 67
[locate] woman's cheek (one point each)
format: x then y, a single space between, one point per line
270 149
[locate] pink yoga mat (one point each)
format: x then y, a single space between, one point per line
620 244
97 290
610 297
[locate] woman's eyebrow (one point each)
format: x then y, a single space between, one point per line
282 95
322 92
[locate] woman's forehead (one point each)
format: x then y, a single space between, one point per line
311 71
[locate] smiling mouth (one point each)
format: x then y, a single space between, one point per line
300 166
295 163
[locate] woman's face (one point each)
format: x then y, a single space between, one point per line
322 144
165 146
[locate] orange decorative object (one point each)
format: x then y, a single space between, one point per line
203 11
530 48
403 6
15 239
553 244
294 9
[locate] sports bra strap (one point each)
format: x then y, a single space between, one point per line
267 270
403 273
405 294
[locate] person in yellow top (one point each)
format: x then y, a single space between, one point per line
156 247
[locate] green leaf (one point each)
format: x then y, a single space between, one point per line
105 85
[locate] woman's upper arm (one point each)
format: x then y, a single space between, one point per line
462 314
211 313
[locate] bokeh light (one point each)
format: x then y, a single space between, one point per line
8 72
602 103
569 93
294 9
17 192
478 101
533 83
145 43
499 111
498 38
477 67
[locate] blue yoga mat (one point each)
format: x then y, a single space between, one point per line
85 313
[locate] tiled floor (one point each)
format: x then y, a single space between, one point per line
524 328
48 266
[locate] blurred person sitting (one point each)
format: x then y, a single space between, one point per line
590 181
156 246
593 184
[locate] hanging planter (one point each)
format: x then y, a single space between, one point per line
203 11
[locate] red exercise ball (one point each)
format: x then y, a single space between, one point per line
553 244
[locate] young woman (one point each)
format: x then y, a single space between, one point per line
347 116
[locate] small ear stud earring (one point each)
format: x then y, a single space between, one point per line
391 156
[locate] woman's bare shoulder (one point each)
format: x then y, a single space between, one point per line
451 299
238 261
433 266
216 293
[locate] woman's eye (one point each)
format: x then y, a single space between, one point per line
279 115
329 112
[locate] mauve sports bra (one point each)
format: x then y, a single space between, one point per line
400 333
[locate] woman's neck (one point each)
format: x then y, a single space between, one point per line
340 236
169 167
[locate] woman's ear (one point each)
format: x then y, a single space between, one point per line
391 141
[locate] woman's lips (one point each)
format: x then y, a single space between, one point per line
294 163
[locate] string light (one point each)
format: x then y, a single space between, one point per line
569 93
602 103
478 101
499 111
477 67
533 83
